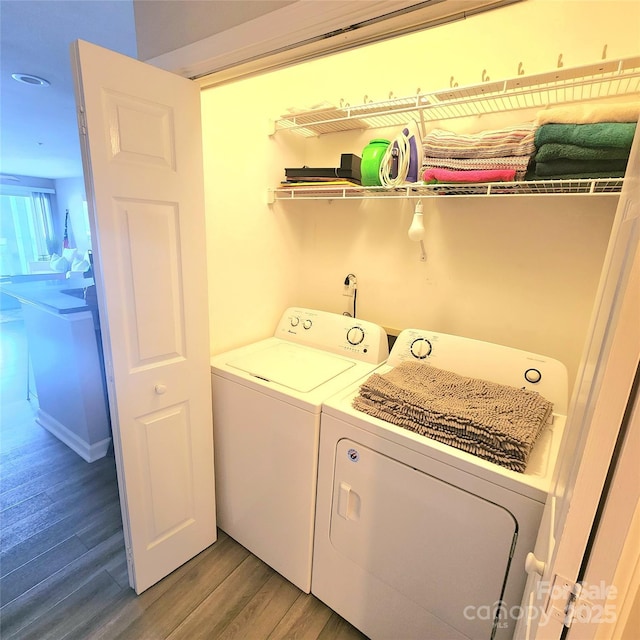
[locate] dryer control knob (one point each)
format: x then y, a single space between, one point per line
532 376
420 348
294 321
307 324
355 335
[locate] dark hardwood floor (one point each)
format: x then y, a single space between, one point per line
63 571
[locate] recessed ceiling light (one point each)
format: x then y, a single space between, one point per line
27 78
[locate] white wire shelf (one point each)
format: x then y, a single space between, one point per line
590 82
600 186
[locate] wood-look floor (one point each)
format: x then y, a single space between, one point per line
63 572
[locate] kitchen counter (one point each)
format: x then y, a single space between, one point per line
57 296
65 354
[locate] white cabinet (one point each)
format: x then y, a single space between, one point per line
66 357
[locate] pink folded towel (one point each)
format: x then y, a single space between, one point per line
480 175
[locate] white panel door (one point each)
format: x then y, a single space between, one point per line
141 142
603 393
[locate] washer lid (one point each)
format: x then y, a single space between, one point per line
298 368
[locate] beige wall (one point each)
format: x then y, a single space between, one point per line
171 24
520 271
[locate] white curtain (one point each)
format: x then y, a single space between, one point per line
26 230
43 223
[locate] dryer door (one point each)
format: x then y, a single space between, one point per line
443 548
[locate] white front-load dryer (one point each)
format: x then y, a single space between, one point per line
416 539
267 398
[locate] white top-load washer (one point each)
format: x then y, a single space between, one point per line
416 539
267 399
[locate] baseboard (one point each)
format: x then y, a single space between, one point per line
88 452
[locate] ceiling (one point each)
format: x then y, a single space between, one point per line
38 130
38 124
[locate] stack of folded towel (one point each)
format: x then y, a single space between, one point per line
492 421
500 155
584 141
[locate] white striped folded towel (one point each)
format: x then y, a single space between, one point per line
519 163
517 140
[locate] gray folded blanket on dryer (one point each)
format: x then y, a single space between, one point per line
492 421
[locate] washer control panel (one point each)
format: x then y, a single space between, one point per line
485 360
353 337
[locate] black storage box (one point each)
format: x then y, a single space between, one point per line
349 170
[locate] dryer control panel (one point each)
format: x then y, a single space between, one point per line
352 337
485 360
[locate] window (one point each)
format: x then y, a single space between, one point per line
26 230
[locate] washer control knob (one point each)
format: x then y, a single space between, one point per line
355 335
420 348
294 321
532 375
307 324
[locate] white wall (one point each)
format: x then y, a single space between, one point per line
518 271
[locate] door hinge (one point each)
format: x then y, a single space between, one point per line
566 603
129 555
82 123
108 369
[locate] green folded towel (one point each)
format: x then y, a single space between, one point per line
556 151
557 167
589 175
602 134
